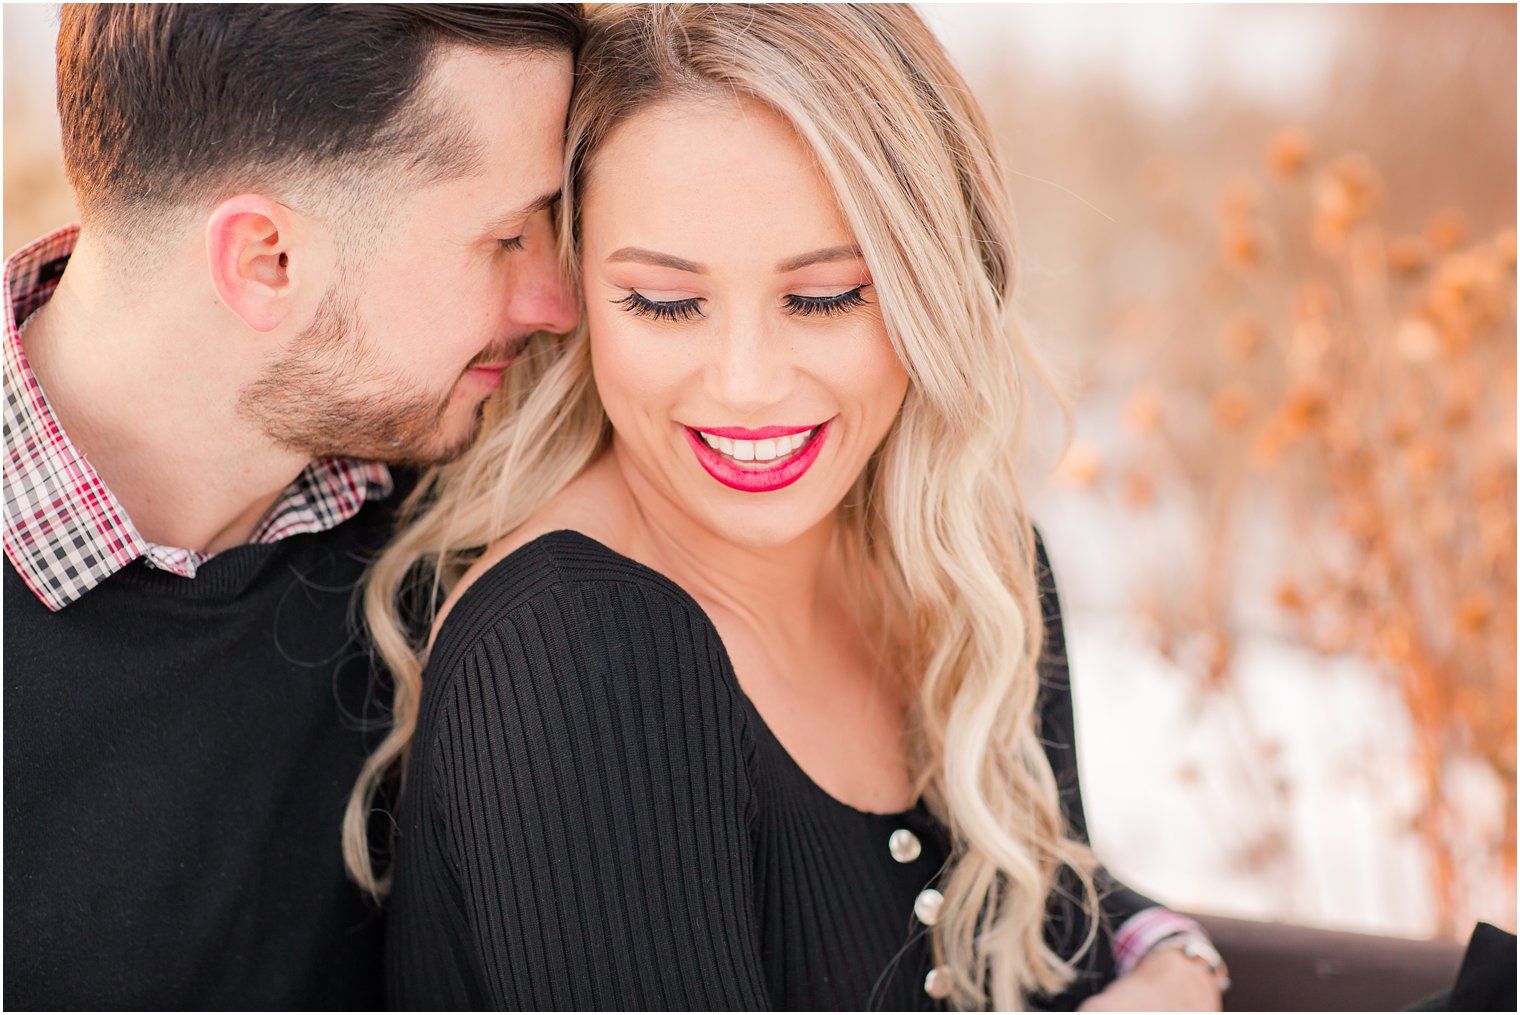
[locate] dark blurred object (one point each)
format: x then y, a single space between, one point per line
1278 967
1487 979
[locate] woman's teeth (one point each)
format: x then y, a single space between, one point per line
757 451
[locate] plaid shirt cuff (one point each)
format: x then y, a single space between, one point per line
1144 931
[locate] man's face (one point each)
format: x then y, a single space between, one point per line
405 348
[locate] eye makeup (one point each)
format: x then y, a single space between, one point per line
808 306
798 306
675 310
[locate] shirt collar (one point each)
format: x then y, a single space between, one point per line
65 532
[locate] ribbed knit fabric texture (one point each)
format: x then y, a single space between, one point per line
597 818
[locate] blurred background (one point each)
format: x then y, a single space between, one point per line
1270 253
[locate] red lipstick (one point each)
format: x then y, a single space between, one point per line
765 433
783 473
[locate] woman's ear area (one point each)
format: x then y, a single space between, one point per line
263 258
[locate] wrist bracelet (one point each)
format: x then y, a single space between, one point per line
1201 949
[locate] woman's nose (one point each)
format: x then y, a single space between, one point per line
752 371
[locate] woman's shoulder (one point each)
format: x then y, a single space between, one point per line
532 549
567 662
570 581
557 603
567 656
554 603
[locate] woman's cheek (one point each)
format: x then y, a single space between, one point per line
631 366
876 375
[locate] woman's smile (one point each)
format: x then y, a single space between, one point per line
757 461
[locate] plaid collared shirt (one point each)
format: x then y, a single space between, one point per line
65 532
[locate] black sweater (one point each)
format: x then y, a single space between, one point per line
596 817
178 754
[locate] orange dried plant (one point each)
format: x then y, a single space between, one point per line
1369 383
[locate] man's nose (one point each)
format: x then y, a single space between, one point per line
540 299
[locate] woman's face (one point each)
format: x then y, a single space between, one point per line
735 336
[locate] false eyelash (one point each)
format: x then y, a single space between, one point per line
677 310
807 306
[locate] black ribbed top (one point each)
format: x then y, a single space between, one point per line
596 817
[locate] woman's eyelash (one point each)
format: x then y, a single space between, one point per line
512 245
688 309
807 306
676 310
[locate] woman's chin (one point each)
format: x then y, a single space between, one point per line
763 526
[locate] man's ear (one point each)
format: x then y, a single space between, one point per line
249 248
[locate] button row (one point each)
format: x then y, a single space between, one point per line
905 848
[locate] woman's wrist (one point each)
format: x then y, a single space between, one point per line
1163 980
1186 984
1195 946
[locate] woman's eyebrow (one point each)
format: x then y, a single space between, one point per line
827 254
639 255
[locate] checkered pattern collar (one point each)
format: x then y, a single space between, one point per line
65 532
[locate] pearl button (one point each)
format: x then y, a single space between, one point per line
937 984
926 906
904 846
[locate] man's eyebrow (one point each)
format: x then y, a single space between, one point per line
638 255
516 215
849 252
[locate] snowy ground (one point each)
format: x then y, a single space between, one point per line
1177 798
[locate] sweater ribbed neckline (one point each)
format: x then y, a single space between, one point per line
578 542
226 574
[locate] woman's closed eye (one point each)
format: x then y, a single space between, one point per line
675 310
807 306
799 306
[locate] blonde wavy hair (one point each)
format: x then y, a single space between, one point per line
934 530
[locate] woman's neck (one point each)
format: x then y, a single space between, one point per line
792 633
781 588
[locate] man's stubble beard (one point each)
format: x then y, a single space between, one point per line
303 403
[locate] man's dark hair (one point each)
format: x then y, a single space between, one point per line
164 105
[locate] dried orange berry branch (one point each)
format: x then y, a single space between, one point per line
1364 385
